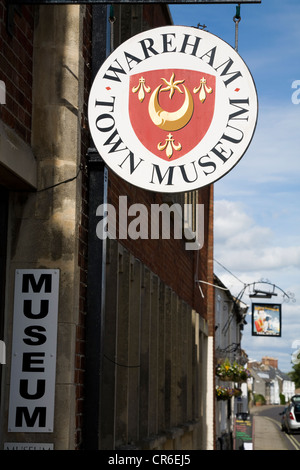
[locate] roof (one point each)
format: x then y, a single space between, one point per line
271 373
240 307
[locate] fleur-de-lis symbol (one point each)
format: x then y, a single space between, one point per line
203 88
169 145
141 88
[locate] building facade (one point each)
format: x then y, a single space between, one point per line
109 342
230 316
269 384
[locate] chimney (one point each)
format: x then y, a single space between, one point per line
270 361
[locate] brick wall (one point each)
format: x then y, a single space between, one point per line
168 258
152 392
16 61
155 16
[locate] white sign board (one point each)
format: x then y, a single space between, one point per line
27 446
33 364
173 109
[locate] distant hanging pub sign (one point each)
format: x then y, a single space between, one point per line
266 319
173 109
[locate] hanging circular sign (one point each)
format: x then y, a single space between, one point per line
173 109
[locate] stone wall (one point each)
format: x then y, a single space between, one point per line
43 230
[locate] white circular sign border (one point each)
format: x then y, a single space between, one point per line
141 176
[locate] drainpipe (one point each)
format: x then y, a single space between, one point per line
96 256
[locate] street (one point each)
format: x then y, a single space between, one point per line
273 413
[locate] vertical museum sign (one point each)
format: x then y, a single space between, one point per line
33 363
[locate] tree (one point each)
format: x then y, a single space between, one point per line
295 375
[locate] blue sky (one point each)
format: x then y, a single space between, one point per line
257 213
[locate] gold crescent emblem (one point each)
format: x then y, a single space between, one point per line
171 121
175 120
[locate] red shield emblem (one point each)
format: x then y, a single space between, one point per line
171 109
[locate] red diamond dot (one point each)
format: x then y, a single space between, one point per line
237 89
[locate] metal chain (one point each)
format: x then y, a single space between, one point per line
237 18
112 19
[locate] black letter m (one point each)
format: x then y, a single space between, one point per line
36 286
38 413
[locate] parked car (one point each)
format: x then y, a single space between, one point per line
290 417
296 399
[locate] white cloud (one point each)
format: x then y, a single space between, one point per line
273 156
243 245
236 229
230 219
266 259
